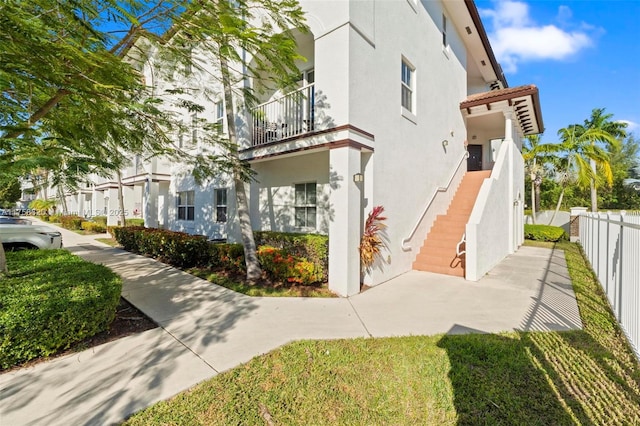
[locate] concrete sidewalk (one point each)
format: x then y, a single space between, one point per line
206 329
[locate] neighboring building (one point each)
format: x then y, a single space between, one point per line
392 97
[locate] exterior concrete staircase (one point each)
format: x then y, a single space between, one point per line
438 253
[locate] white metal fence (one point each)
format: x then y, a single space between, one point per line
611 242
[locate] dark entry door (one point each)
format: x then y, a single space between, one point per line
474 162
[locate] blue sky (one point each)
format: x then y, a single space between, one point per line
581 55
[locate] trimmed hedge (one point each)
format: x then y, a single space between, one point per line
97 228
175 248
51 299
297 258
102 220
134 222
71 222
544 233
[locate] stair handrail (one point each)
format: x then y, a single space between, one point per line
405 241
461 242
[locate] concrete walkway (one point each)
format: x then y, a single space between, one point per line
206 329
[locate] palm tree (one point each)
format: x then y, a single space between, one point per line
616 129
531 150
580 149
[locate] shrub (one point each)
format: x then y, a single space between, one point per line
280 265
372 240
312 247
102 220
544 233
134 222
71 222
175 248
94 227
227 256
51 299
55 218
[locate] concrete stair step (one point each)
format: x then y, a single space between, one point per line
438 253
438 269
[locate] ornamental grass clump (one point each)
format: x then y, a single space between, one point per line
372 241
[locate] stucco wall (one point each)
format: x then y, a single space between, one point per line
272 197
409 161
496 221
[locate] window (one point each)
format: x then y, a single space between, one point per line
221 205
220 116
186 205
305 205
407 85
444 31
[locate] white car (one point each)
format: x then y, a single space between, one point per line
19 237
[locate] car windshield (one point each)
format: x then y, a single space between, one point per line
11 220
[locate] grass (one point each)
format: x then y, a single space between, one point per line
109 241
587 376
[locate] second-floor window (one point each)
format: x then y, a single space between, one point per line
305 205
220 116
407 85
221 204
186 205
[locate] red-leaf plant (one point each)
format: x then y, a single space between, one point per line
371 240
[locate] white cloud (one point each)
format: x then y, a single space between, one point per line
516 38
631 126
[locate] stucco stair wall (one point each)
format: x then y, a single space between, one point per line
438 253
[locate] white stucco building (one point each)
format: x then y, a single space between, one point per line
392 97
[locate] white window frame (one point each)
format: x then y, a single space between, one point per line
309 205
186 205
408 88
221 205
220 116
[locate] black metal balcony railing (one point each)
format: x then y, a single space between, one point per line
285 117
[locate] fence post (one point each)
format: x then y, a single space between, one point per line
609 260
619 301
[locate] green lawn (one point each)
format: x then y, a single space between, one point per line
578 377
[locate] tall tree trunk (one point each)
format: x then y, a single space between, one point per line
63 200
557 206
242 205
123 218
533 201
594 192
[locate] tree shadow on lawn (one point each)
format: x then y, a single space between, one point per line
540 378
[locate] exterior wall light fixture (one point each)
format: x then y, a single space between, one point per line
358 177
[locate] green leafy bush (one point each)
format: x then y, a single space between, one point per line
71 222
312 247
175 248
227 256
51 299
102 220
282 266
94 227
544 233
55 218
